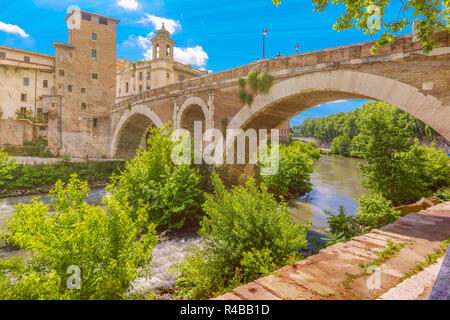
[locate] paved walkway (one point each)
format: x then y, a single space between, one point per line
36 160
340 271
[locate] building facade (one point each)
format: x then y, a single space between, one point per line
136 77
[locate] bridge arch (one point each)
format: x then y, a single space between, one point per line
297 94
131 131
194 108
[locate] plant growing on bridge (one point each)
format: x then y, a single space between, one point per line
78 251
172 193
259 82
435 15
247 234
296 163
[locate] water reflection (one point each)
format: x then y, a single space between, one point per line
335 182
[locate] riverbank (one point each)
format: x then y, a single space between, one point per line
397 252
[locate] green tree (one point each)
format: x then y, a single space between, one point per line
435 15
247 234
395 166
105 246
296 163
342 145
172 193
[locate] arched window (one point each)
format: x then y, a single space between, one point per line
168 52
83 106
157 51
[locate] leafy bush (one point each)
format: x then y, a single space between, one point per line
173 193
37 148
247 234
7 166
397 168
296 163
342 226
374 212
105 246
29 177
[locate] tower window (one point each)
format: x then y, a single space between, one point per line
23 97
69 88
23 110
26 82
95 76
61 73
26 59
94 53
140 88
45 84
148 75
86 16
103 20
168 52
93 36
2 55
95 122
140 75
83 90
157 52
83 106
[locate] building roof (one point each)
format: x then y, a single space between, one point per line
91 13
26 51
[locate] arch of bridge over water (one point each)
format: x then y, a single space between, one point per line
400 74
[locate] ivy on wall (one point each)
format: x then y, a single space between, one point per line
259 82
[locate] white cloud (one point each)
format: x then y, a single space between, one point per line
11 28
169 24
338 101
128 4
193 55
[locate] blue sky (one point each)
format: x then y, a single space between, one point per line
215 35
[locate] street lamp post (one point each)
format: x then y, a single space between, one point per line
264 37
297 48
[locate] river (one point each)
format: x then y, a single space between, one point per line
335 182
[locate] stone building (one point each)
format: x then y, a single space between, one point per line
25 78
135 77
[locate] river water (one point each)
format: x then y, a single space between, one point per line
335 182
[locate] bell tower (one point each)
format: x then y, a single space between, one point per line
162 45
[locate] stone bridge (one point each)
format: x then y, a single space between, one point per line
400 74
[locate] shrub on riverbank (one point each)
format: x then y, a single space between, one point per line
78 251
171 192
7 166
296 163
399 169
247 234
30 177
374 212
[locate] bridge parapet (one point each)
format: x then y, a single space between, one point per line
332 57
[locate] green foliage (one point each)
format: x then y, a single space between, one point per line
7 167
400 170
342 145
106 246
258 82
442 194
37 148
374 212
342 226
30 177
296 163
247 234
172 193
435 16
